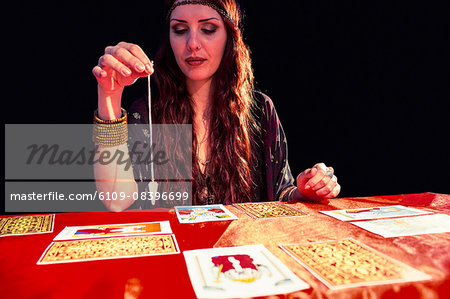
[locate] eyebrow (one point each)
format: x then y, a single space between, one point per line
199 21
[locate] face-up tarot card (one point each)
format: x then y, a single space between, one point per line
419 225
236 272
26 225
374 213
108 248
113 230
348 263
195 214
271 209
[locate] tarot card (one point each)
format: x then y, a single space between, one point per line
374 213
271 209
108 248
113 230
348 263
26 225
242 271
419 225
195 214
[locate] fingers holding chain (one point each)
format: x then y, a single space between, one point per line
125 59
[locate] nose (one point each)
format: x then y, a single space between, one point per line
193 42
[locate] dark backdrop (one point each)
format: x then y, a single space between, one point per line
362 88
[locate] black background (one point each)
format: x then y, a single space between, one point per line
363 88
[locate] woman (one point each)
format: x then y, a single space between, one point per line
204 78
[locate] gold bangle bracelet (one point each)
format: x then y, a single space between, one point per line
122 119
110 132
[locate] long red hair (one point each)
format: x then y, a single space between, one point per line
231 158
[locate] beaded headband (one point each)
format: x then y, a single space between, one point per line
201 2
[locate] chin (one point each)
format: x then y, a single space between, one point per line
198 76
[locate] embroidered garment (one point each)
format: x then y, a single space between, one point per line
272 177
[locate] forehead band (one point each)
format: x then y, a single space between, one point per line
222 12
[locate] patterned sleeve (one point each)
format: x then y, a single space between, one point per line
280 182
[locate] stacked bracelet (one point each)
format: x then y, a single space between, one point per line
110 132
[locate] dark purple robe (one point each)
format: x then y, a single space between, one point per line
272 177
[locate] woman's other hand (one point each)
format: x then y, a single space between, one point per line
318 183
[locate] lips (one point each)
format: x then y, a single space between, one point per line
195 61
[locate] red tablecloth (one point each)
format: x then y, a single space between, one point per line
167 276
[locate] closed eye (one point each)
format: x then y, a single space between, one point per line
209 31
179 31
209 28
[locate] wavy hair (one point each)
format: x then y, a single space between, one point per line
231 158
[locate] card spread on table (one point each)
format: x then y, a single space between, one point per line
374 213
195 214
108 248
419 225
26 225
269 209
348 263
113 230
242 271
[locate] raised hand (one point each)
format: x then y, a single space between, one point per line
120 66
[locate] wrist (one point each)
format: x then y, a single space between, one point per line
110 132
297 195
109 103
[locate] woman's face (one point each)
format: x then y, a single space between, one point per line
198 37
